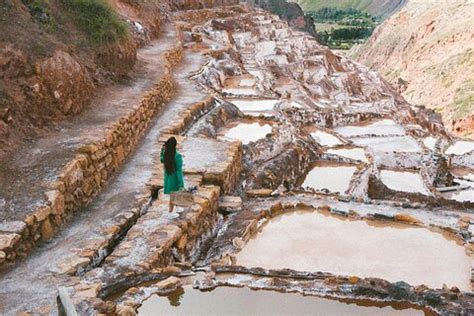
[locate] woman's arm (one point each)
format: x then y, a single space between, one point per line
179 170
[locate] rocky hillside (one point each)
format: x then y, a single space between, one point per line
427 51
381 8
56 54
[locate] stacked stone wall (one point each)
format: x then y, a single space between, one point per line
87 173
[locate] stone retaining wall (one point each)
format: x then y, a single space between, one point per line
86 175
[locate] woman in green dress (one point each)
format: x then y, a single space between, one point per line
173 162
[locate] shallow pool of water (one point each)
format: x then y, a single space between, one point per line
460 148
325 139
379 128
244 301
333 177
404 181
352 153
310 241
248 132
255 107
390 144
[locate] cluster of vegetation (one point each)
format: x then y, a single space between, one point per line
342 28
39 10
97 19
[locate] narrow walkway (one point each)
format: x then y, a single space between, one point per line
38 269
24 177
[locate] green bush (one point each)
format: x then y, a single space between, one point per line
97 19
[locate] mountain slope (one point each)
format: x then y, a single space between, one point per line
427 50
382 8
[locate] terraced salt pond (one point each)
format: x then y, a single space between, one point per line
325 139
460 148
378 128
330 176
310 241
352 153
389 144
404 181
248 132
255 107
244 301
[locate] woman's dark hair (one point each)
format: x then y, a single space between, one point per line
170 152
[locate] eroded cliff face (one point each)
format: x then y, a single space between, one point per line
427 51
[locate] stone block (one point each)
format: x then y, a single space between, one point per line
57 201
8 240
12 227
169 283
42 213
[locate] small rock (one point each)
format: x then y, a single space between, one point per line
259 192
238 243
123 310
169 283
406 219
353 279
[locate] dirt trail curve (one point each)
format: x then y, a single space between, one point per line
41 266
23 177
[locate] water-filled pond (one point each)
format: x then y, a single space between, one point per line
255 107
331 176
404 181
310 241
389 144
325 139
352 153
379 128
248 132
460 148
244 301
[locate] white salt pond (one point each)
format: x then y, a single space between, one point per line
333 177
430 142
244 301
466 195
404 181
352 153
311 241
389 144
255 107
379 128
325 139
460 148
248 132
241 91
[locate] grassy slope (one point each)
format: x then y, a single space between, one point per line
375 7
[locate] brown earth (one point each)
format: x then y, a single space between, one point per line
427 51
49 71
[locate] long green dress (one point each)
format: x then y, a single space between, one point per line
173 181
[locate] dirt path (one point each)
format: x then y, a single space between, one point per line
24 177
39 269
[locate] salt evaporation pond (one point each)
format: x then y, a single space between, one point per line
310 241
333 177
244 301
325 139
241 91
430 142
379 128
255 107
466 195
460 148
404 181
389 144
248 132
352 153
